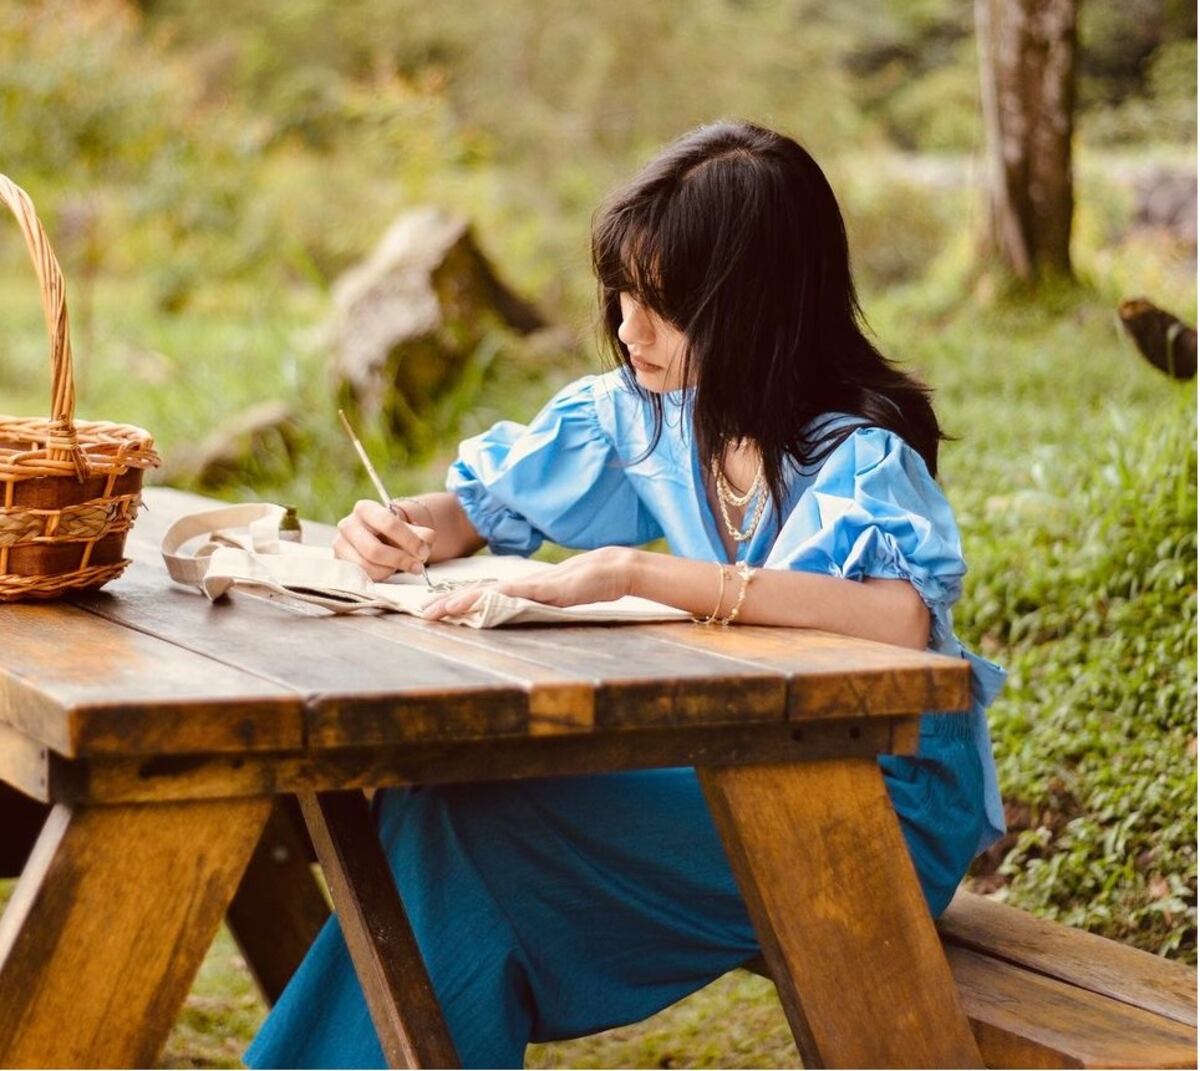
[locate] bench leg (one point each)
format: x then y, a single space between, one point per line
822 865
279 907
109 923
386 957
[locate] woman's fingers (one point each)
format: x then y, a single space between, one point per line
385 539
457 603
344 550
368 547
391 528
426 536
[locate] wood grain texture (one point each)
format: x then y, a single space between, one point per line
86 686
357 688
828 673
217 776
574 679
825 873
618 678
1082 959
1051 1014
559 699
279 907
1026 1019
108 925
386 957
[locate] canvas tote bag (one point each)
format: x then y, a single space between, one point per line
242 549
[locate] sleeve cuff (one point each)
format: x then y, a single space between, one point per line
877 553
506 532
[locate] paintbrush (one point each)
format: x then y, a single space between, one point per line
384 497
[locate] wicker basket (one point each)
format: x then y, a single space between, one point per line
71 489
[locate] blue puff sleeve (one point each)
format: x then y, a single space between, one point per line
874 510
557 478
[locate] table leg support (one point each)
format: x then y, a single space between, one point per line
825 873
108 924
386 956
279 908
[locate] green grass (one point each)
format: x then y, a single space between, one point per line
221 1013
224 1009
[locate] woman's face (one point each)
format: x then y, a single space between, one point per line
655 347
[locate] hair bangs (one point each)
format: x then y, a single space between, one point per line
629 256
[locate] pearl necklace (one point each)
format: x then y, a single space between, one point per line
726 492
725 495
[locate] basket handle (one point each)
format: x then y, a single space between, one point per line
62 443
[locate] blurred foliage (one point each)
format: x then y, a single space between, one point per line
916 67
252 139
600 88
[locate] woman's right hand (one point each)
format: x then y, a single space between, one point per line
383 542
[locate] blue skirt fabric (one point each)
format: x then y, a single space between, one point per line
556 907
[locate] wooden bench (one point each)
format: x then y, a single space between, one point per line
1041 994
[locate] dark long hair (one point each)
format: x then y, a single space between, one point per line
733 235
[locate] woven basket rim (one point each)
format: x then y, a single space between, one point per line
88 432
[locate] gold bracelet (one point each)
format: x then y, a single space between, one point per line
747 574
720 597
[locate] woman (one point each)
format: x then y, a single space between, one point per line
790 468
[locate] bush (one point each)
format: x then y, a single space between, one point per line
896 228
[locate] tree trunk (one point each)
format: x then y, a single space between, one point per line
1027 51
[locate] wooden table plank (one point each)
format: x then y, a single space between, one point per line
577 678
86 686
571 681
368 689
1026 1019
831 674
580 689
827 674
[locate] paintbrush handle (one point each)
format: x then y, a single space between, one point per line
393 508
384 497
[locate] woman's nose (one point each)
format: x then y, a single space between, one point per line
635 329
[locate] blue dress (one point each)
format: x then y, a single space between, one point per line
555 907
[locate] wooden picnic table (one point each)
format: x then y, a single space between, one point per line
166 731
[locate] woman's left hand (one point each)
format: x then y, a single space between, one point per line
593 576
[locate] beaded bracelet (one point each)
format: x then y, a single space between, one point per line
720 597
747 574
